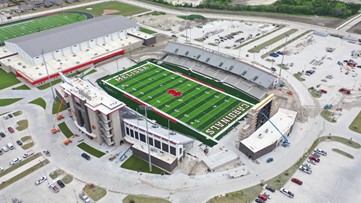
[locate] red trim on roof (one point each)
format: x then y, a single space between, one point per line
121 52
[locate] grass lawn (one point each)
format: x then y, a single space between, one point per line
342 153
272 41
257 38
356 124
38 24
56 105
192 17
67 178
122 8
299 76
25 138
56 173
95 193
65 130
145 30
25 161
22 125
137 164
47 85
314 92
326 114
7 79
143 199
90 150
23 174
249 194
6 102
27 145
17 113
89 72
39 101
22 87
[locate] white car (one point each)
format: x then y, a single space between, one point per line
53 188
320 151
84 197
4 149
27 154
40 180
46 152
287 192
15 161
311 161
305 169
1 168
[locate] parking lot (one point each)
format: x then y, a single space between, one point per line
327 57
330 181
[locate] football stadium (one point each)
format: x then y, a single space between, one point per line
208 110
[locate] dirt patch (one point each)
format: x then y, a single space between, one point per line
355 29
108 12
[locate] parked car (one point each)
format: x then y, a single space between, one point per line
40 180
15 161
287 192
1 168
320 151
311 161
270 188
323 91
262 197
60 183
279 52
2 134
259 201
53 188
297 181
314 158
85 156
27 154
84 197
11 130
46 152
274 55
306 170
1 152
4 149
269 160
315 155
10 146
19 142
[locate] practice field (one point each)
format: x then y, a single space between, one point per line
38 24
205 109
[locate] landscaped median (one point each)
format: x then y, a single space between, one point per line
249 194
143 199
356 124
65 130
136 164
39 101
84 146
272 41
22 174
6 102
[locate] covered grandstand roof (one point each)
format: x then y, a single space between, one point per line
69 35
247 71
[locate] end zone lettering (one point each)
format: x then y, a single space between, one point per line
231 116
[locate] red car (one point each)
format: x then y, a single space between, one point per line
262 197
297 181
11 130
323 91
315 159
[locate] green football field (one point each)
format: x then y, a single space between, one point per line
180 98
38 24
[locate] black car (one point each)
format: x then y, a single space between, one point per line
85 156
2 134
259 201
19 142
60 183
270 188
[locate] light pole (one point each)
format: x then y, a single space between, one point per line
146 108
203 39
46 68
283 55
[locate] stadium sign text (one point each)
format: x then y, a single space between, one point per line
227 119
131 73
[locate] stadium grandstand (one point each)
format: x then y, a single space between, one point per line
245 77
42 55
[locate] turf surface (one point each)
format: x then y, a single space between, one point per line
198 106
38 24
